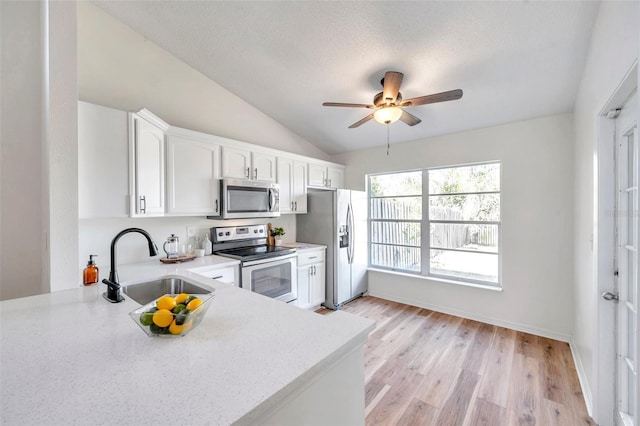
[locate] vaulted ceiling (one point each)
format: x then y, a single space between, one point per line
514 60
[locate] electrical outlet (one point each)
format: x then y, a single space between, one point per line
191 232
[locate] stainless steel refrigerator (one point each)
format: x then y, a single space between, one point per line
338 219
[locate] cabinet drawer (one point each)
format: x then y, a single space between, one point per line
310 257
226 275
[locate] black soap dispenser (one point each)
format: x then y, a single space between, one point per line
91 274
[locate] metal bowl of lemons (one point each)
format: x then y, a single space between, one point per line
172 315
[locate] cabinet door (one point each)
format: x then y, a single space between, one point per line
335 176
304 275
103 162
236 163
317 175
192 177
318 283
264 167
285 179
299 188
149 168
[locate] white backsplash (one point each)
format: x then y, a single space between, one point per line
96 236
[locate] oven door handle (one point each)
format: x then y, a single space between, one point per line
274 260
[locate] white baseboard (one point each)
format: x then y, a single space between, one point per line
551 334
584 384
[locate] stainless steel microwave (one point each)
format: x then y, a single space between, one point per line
242 199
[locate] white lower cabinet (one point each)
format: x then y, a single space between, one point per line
311 278
193 186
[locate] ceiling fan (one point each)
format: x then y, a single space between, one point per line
388 104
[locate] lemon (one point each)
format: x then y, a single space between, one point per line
194 304
162 317
175 328
166 302
181 298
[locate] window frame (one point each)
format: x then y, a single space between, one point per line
425 228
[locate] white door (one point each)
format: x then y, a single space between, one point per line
299 189
236 163
264 167
193 188
285 180
627 158
149 168
317 175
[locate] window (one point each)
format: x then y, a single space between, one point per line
458 206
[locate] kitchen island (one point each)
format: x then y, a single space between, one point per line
70 357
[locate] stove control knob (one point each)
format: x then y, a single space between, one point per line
227 233
255 231
261 231
220 234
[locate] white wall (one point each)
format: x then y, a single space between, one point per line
614 47
21 228
119 68
536 209
61 207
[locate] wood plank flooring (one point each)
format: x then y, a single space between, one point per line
428 368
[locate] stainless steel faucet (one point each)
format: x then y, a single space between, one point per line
113 293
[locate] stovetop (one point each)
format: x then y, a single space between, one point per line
256 252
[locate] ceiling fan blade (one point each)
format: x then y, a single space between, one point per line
451 95
409 119
339 104
392 81
361 122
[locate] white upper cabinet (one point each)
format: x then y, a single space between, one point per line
326 176
238 163
193 186
299 187
103 162
292 178
335 175
285 180
263 166
147 164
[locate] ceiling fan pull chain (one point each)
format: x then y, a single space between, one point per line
388 139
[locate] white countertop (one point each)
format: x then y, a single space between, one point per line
70 357
302 247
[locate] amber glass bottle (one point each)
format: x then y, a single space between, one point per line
91 274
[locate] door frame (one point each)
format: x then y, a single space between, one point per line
603 405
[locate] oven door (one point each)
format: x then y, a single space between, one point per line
275 278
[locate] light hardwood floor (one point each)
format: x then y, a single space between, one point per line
427 368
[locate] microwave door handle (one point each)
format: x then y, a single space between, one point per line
272 199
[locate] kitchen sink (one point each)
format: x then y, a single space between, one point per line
146 292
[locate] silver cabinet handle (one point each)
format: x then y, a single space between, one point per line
313 257
216 206
610 296
296 204
143 204
292 205
255 173
247 173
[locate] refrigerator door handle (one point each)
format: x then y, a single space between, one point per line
350 233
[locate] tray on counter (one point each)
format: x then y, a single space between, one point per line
184 258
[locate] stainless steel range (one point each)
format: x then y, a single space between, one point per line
264 269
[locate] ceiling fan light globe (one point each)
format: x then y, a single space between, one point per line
387 115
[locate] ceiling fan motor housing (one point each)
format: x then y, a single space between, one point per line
378 99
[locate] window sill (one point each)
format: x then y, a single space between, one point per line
437 279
